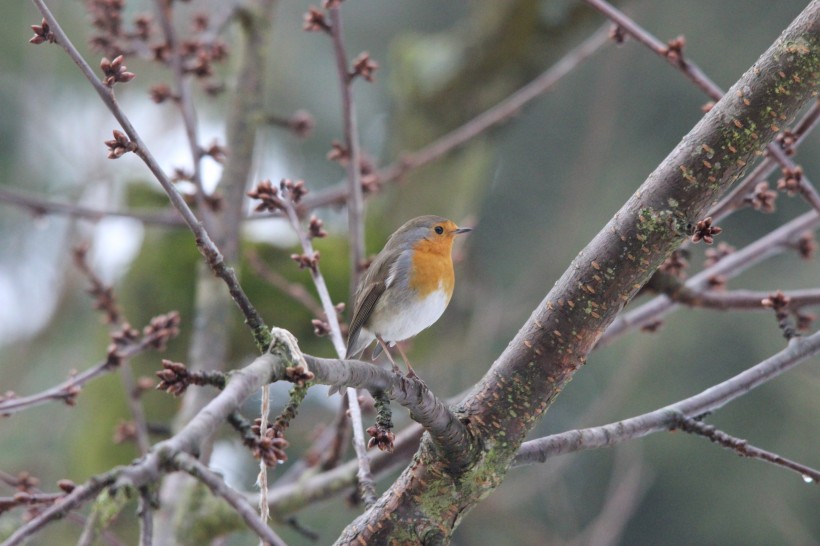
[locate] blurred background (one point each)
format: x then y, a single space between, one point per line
536 189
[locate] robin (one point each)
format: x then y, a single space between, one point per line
406 288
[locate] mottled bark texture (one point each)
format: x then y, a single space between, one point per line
429 499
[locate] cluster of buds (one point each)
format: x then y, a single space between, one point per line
780 303
806 245
316 228
786 140
617 34
119 145
307 262
161 92
791 180
216 151
42 34
315 20
363 66
298 375
777 301
367 170
714 255
174 378
762 198
270 446
115 71
381 437
674 49
272 198
676 264
161 329
125 431
705 231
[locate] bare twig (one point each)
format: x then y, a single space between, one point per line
742 448
39 206
204 242
68 390
185 102
673 53
359 444
496 115
667 418
355 199
189 464
80 495
732 265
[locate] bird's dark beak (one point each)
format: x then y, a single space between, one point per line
463 230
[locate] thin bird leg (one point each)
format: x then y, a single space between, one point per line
386 348
410 371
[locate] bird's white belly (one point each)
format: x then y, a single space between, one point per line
415 318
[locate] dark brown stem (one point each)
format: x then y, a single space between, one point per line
355 199
742 448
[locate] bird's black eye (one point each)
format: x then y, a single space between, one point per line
439 230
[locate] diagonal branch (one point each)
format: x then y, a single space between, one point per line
742 447
205 244
667 418
730 266
189 464
501 112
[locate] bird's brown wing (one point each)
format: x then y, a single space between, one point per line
365 302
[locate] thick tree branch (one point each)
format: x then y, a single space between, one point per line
553 344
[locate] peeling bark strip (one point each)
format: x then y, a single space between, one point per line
427 502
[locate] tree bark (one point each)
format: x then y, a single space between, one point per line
429 499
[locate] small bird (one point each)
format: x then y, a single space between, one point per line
406 288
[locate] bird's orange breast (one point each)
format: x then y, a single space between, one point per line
432 267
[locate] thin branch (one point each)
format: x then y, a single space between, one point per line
79 496
735 198
742 448
740 299
501 112
673 53
204 242
667 418
39 206
774 243
355 199
68 390
218 487
359 444
185 103
689 69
